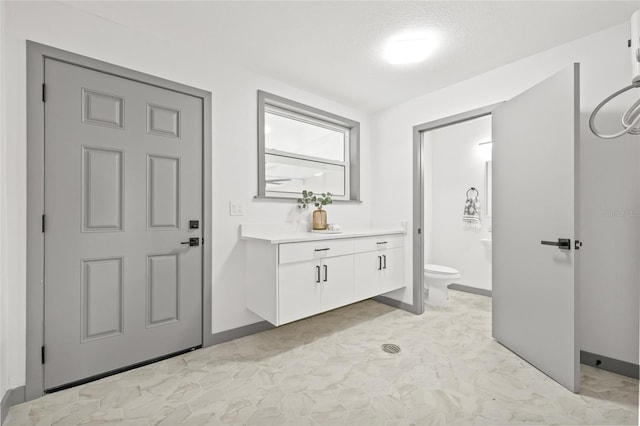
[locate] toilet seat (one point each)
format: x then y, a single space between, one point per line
440 270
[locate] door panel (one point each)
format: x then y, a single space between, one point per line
123 177
163 192
535 140
102 189
102 298
163 288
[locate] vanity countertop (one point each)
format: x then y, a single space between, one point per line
280 234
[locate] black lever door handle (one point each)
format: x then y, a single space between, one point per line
193 242
562 244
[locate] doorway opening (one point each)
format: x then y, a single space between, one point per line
457 209
439 202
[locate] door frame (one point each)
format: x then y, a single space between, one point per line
418 193
36 55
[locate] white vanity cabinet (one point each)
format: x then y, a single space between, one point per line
314 277
379 265
293 276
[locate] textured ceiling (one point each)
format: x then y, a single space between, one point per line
335 48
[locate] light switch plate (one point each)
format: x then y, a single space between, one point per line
236 208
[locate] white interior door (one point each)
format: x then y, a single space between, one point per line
535 150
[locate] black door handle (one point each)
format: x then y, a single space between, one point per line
562 244
326 272
384 256
317 273
379 263
193 242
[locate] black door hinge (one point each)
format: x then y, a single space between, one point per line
419 231
43 222
44 92
42 354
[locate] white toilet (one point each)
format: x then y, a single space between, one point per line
436 280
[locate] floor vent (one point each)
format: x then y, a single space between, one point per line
391 348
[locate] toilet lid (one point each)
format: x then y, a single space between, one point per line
437 269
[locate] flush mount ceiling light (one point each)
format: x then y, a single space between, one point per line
409 49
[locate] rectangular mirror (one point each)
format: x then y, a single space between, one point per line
301 147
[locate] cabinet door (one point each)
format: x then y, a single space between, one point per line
298 291
392 274
368 267
337 282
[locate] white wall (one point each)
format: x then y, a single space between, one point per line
455 162
610 176
234 147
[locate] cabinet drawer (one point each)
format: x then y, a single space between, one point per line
297 252
380 242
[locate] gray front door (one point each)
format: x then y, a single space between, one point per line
123 180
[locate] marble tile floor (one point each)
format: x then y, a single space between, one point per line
330 370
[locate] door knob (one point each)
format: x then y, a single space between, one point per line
562 244
193 242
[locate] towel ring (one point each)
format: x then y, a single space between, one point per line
472 189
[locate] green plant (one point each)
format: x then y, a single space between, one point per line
308 197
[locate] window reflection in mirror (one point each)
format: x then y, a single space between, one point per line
305 148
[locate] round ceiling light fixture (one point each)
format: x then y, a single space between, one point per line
409 49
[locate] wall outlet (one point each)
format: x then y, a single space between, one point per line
236 208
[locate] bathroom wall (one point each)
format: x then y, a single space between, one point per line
609 184
234 150
453 163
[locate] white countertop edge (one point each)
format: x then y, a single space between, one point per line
278 236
